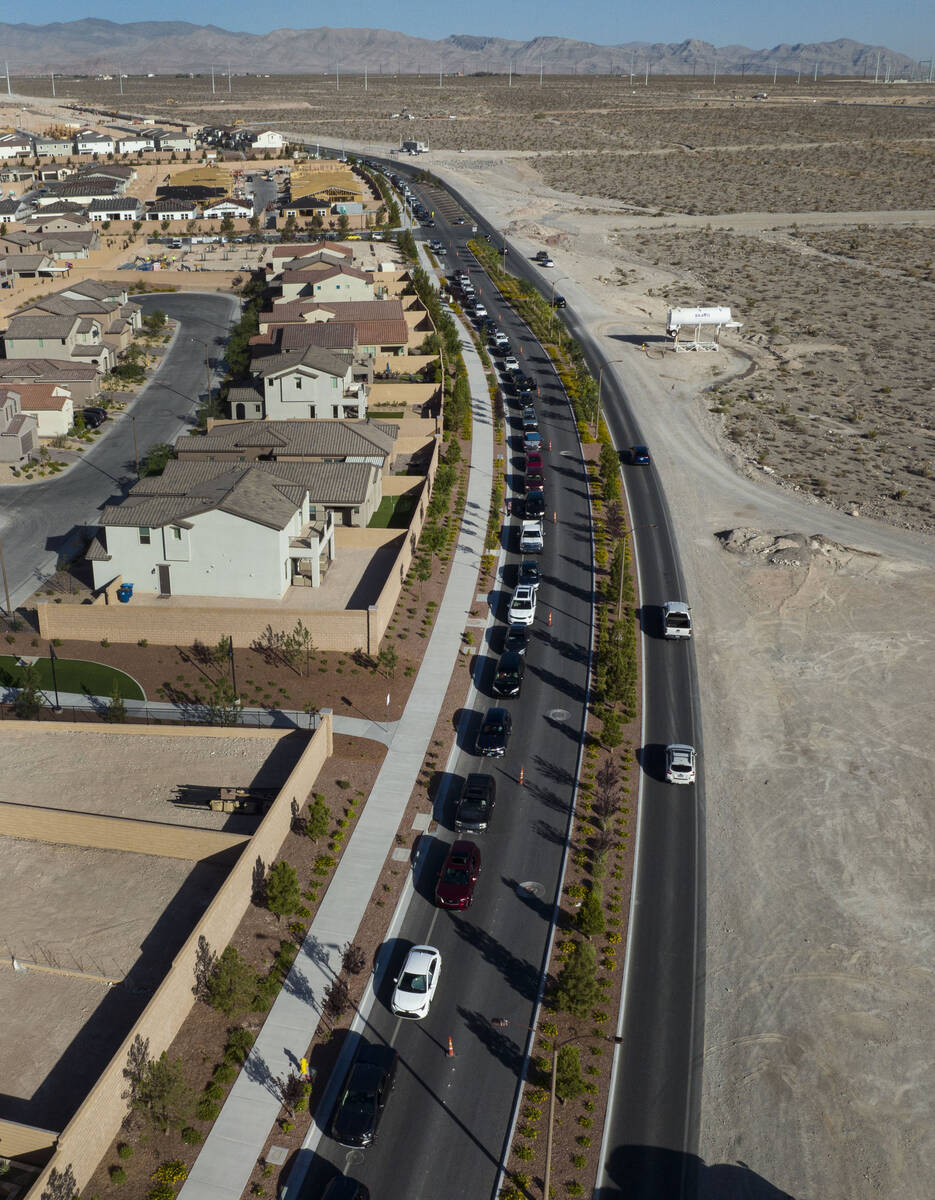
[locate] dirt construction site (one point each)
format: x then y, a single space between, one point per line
797 464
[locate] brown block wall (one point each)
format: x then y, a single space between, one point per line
88 1134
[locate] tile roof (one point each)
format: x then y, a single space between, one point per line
326 483
95 351
41 397
316 358
330 335
40 325
302 249
336 310
318 273
242 491
51 369
116 204
311 438
96 289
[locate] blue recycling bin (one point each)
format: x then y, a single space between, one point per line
124 592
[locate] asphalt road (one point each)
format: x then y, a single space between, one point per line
42 522
445 1127
651 1133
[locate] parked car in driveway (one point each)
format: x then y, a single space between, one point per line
416 983
364 1096
93 417
476 803
508 677
494 734
456 880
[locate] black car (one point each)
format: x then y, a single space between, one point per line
494 735
363 1098
343 1188
530 418
639 456
559 302
508 678
530 573
534 503
476 803
94 417
516 638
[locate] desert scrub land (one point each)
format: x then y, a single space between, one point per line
567 113
832 178
839 400
904 251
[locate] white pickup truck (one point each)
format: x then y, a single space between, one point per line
676 620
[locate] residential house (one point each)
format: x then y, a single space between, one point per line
311 383
37 334
58 218
81 379
121 173
267 139
116 208
80 191
17 174
51 405
19 431
119 319
381 325
236 530
12 145
172 141
305 207
14 209
322 282
229 208
67 246
294 441
30 266
134 144
89 141
53 147
333 252
171 210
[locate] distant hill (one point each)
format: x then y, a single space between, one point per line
92 46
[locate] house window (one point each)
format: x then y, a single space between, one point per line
311 410
335 411
334 381
269 382
176 533
298 385
145 535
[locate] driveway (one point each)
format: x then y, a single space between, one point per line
40 523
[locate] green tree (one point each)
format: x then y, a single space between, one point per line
422 570
611 729
568 1080
231 985
163 1096
283 895
344 223
388 661
29 699
254 224
576 990
155 321
434 538
318 820
155 459
590 918
303 642
222 705
116 711
227 225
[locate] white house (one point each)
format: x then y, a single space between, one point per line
89 141
12 145
311 383
171 210
117 208
228 207
324 282
173 141
51 404
233 530
134 143
267 139
52 147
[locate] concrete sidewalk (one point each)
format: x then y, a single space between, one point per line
236 1141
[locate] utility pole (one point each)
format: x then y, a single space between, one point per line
774 74
337 76
816 72
540 72
876 73
511 72
6 586
798 78
646 77
9 90
439 74
714 81
365 78
53 84
120 77
228 79
212 81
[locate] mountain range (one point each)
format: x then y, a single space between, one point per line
93 46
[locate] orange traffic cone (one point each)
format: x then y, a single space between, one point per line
451 1048
522 775
550 616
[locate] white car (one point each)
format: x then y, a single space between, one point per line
680 764
479 311
530 537
510 363
522 609
416 983
546 262
676 619
500 339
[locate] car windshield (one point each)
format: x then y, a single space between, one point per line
681 766
413 982
492 727
456 875
359 1098
677 619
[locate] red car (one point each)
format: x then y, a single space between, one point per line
534 462
455 887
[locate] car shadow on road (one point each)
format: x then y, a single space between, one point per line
652 759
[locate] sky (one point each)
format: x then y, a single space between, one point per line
907 26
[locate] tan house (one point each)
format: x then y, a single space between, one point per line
294 441
19 431
51 405
81 379
322 282
37 334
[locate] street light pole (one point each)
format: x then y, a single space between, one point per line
207 367
6 588
136 452
58 707
600 381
